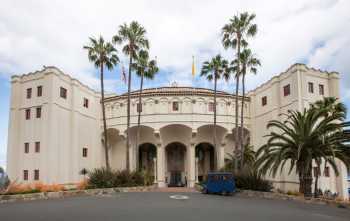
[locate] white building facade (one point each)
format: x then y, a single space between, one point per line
55 127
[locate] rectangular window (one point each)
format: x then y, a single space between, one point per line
139 107
37 147
27 114
317 171
286 90
36 175
311 87
321 89
25 174
85 152
63 92
211 107
326 172
39 91
86 103
264 101
29 93
38 112
26 147
175 106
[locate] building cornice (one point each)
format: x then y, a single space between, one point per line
175 91
293 69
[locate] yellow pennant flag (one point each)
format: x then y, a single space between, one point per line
193 67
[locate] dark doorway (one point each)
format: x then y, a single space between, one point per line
147 155
205 153
176 153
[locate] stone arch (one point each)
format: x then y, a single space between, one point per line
147 154
175 133
206 160
246 134
205 133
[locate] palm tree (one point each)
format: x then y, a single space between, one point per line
249 64
144 68
213 70
249 155
102 54
234 36
302 138
134 37
330 106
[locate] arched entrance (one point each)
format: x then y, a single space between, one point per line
205 160
175 158
147 158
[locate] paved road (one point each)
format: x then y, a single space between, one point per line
159 206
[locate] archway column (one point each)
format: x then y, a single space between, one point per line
160 165
221 156
191 165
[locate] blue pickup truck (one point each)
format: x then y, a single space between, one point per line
219 183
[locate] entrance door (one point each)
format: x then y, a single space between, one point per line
176 164
176 179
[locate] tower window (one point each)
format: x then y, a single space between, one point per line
29 93
264 101
36 175
38 112
326 172
26 147
39 91
86 103
321 89
139 107
317 171
63 92
175 106
25 174
311 87
37 147
85 152
27 114
286 90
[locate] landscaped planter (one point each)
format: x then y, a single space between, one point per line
281 196
70 193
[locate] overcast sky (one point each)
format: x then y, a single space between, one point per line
37 33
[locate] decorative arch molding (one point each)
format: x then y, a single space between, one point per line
175 133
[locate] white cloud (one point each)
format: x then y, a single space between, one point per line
36 33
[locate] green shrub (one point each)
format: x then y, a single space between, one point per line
103 178
251 180
4 180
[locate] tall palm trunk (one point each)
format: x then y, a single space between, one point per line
316 180
139 112
305 179
236 106
104 119
215 83
242 119
128 117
